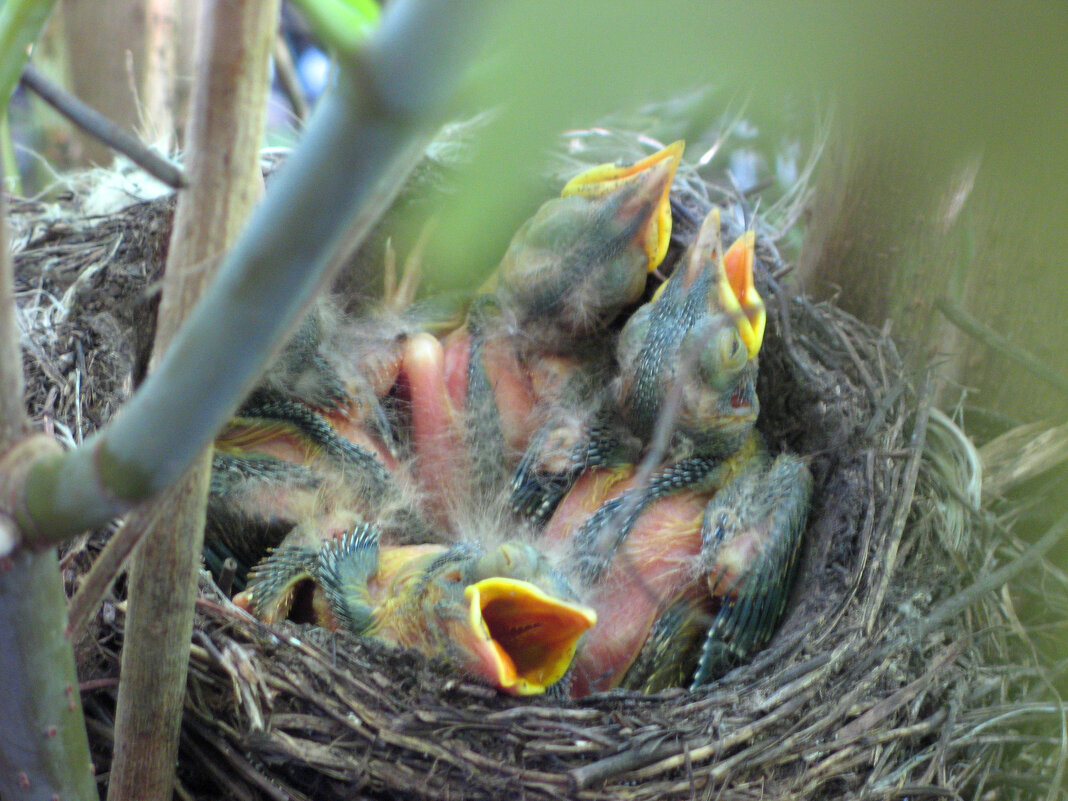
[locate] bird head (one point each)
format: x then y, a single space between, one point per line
584 256
700 332
727 286
507 617
640 190
503 615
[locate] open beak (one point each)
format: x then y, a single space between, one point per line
738 294
524 639
296 596
651 177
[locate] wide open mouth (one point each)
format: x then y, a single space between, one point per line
299 600
525 637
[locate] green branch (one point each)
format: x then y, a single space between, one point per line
342 25
365 136
44 751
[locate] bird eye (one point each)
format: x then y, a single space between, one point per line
732 349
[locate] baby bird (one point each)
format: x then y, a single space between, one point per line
697 339
315 435
503 614
534 342
584 257
297 473
699 335
689 568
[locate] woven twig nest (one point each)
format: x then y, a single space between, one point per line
860 692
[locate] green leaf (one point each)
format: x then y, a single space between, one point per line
342 25
21 22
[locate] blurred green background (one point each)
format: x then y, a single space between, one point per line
944 171
939 130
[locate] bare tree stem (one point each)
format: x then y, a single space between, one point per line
224 137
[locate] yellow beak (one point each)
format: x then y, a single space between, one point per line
606 178
738 294
524 638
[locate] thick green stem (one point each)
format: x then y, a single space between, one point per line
365 136
44 752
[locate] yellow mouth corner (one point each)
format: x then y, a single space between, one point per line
738 294
273 597
605 178
525 637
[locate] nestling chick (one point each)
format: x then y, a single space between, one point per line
502 615
699 335
584 257
678 602
315 436
567 275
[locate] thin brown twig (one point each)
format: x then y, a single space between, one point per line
108 566
288 79
97 125
237 762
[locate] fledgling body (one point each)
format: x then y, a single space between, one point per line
526 366
501 614
682 587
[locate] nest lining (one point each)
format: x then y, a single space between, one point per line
849 698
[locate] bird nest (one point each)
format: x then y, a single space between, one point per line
869 688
